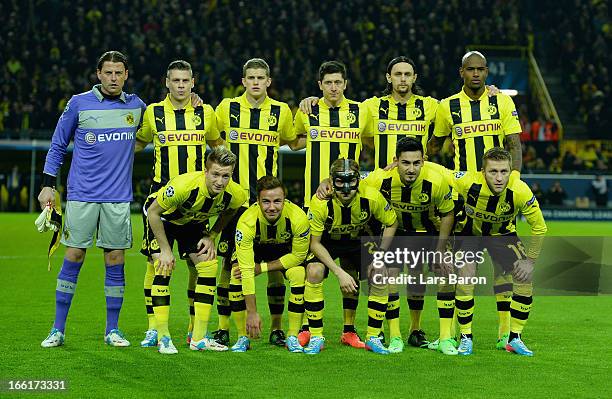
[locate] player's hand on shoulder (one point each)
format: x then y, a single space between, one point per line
390 166
492 90
196 100
307 104
324 190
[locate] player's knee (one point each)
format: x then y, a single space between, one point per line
114 257
76 255
315 272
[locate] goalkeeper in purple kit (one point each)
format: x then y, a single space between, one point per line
102 123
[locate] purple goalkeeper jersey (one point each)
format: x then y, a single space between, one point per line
104 132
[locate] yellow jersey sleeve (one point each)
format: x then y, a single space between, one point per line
530 208
300 242
299 126
221 114
210 121
245 234
317 213
382 210
374 179
239 196
444 197
174 193
443 121
509 115
431 108
145 132
460 181
366 122
286 131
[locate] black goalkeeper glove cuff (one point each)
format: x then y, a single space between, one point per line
48 181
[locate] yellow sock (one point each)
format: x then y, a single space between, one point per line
377 308
204 297
160 298
415 304
295 308
522 302
503 312
148 283
464 302
238 305
223 303
314 305
446 309
191 285
392 315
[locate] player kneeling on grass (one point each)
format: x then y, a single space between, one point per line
337 225
180 211
493 199
272 236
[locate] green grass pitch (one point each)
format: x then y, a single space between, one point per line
567 334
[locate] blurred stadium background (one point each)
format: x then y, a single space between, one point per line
554 54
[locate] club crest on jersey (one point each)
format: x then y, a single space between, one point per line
90 138
272 121
129 119
196 120
350 117
364 215
492 109
382 126
285 235
161 138
238 236
423 197
169 193
154 244
415 112
314 133
223 246
233 135
504 207
459 131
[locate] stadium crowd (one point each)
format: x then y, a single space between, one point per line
40 71
583 40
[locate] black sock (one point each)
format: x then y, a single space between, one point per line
349 328
513 335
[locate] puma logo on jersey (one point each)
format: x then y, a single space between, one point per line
457 113
384 110
159 119
314 116
234 117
